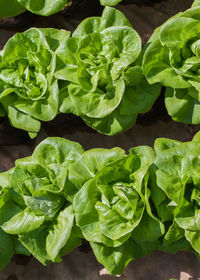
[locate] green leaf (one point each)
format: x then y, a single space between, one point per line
110 2
175 168
112 124
115 259
92 103
162 144
113 17
6 247
87 26
35 243
157 68
110 17
137 99
181 106
57 150
112 224
23 121
54 37
19 248
44 7
10 8
8 208
27 177
174 234
196 3
175 31
88 165
23 223
60 233
73 242
44 203
5 179
45 110
194 238
149 230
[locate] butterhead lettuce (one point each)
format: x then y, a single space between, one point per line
125 205
101 63
29 91
172 59
178 175
113 211
33 206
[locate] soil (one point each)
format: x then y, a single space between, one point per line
142 2
81 264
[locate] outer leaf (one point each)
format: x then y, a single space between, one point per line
176 166
162 144
59 235
35 242
196 3
87 26
10 8
23 223
181 106
6 247
110 17
73 242
115 259
56 150
113 17
179 27
22 121
5 179
149 230
194 238
110 2
8 208
112 124
174 234
44 7
19 248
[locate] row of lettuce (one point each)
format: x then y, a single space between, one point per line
125 205
101 73
95 73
